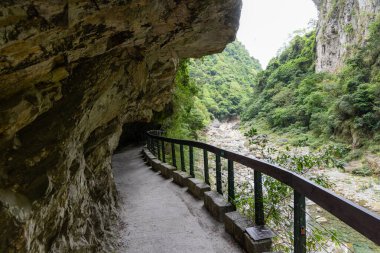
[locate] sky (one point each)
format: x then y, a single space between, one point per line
266 25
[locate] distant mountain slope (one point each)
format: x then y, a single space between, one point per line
290 97
225 79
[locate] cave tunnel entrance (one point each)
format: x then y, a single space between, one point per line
134 133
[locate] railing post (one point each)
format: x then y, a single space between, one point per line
182 156
218 174
205 166
163 151
259 205
158 150
174 161
191 161
231 183
299 223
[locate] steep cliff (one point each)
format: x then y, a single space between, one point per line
72 72
343 25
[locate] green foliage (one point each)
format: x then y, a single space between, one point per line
358 109
277 195
187 113
349 29
289 94
284 92
252 132
226 80
215 86
364 171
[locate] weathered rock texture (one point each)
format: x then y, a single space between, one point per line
342 25
72 72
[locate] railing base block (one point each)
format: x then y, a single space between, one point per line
148 156
167 170
252 246
156 164
179 177
196 187
235 224
217 205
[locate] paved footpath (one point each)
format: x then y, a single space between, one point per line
161 216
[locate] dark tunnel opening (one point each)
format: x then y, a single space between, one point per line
135 133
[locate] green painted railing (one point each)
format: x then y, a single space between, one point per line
360 219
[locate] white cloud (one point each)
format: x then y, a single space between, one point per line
265 25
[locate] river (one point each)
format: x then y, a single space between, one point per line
364 191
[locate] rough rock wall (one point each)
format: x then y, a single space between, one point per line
342 25
72 72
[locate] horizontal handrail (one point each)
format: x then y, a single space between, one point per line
359 218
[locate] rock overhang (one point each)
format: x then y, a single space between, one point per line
71 74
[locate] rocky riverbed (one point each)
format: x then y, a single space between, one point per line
364 191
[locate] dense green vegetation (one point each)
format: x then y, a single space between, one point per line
290 97
287 98
226 80
186 114
216 86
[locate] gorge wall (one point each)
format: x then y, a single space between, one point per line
342 25
72 72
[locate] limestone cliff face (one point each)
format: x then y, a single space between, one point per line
343 24
72 72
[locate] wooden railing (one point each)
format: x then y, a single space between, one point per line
360 219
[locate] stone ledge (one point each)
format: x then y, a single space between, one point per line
156 164
235 224
148 156
179 177
217 205
167 170
197 187
252 246
144 152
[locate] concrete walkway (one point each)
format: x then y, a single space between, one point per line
160 216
